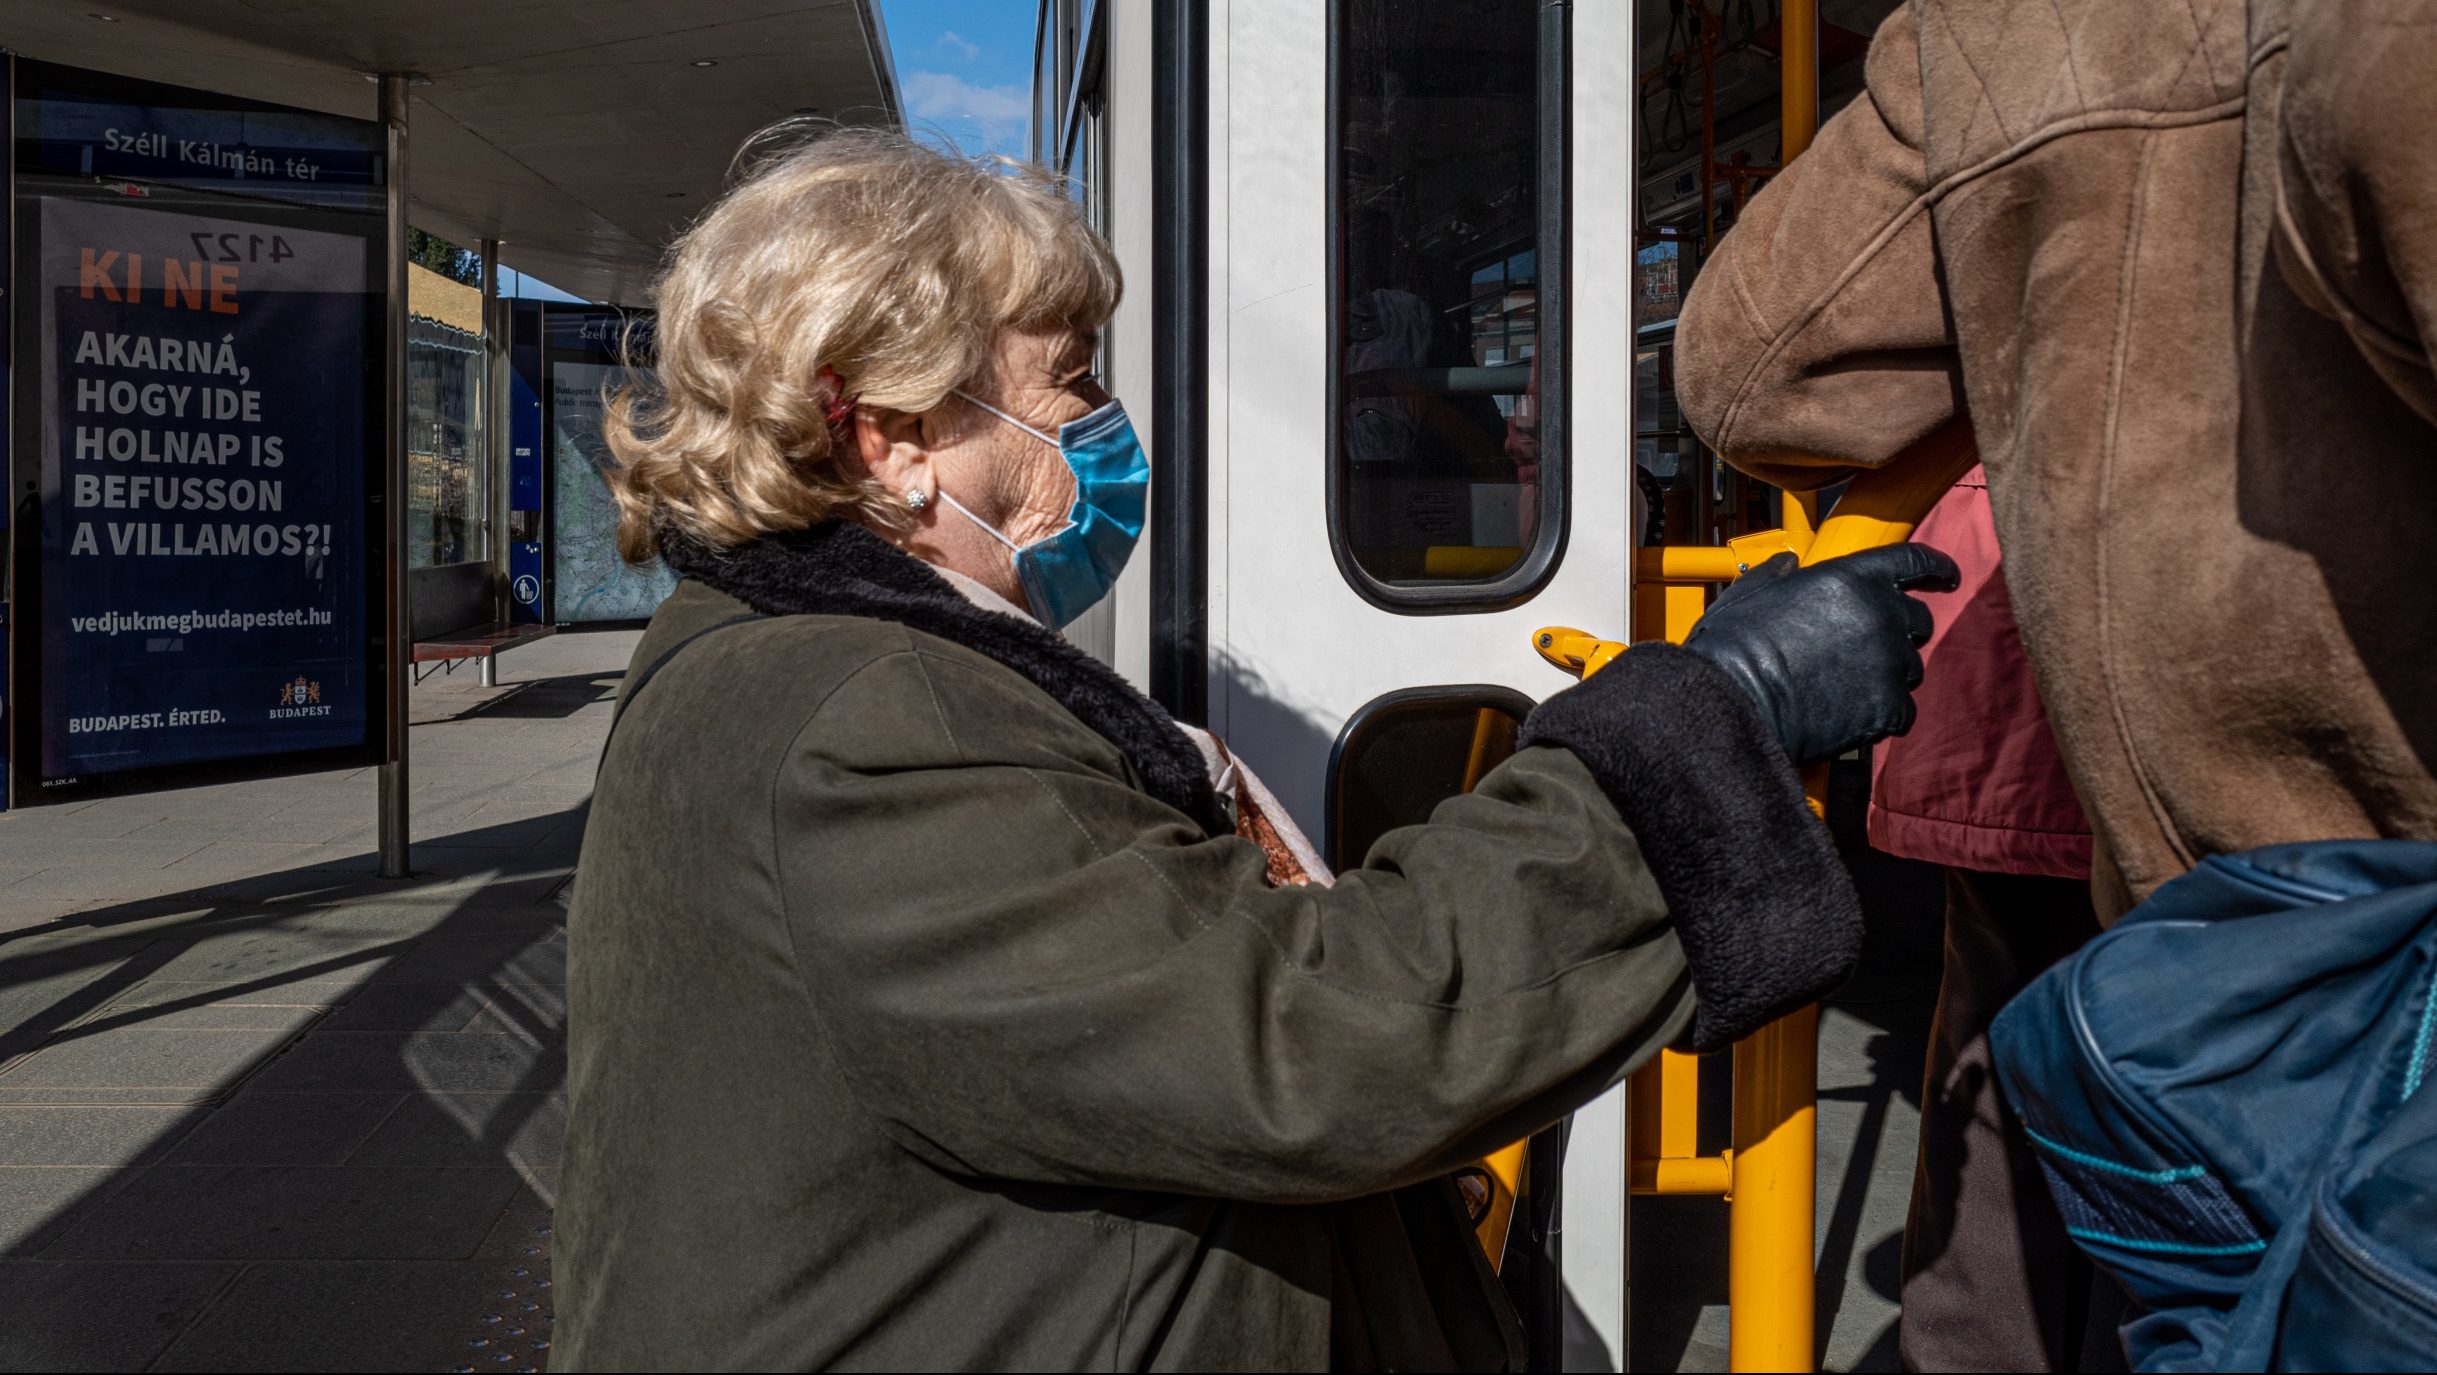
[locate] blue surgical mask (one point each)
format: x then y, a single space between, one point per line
1066 572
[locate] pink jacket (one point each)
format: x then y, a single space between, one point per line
1978 783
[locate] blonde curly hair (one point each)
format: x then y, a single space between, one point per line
895 264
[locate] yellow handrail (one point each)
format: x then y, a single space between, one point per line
1770 1175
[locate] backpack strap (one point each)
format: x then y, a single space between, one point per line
652 669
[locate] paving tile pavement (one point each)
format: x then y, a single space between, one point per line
261 1110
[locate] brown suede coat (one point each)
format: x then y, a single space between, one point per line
2176 265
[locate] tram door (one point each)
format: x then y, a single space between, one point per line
1421 436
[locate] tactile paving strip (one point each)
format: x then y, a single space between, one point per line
514 1332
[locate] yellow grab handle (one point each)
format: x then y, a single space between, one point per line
1882 506
1578 652
1885 505
1506 1167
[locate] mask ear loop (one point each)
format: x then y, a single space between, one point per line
1044 438
986 527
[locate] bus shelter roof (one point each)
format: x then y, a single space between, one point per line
584 134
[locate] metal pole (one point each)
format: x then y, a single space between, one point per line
1798 79
1180 352
399 626
1709 146
494 450
1797 123
1772 1284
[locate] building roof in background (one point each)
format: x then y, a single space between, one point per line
443 300
583 133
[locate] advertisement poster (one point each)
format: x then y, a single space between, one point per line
203 474
589 581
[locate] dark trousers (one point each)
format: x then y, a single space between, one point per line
1990 1280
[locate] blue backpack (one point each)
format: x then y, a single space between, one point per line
2224 1090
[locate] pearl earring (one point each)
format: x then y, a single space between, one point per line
916 498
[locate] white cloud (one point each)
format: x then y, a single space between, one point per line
984 118
943 95
955 43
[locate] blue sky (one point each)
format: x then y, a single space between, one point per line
965 67
515 283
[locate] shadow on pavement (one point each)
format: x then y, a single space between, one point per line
548 699
308 1120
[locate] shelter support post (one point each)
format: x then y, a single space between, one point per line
398 625
494 451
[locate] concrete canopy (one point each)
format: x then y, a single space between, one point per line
582 133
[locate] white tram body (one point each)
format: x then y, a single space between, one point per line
1381 337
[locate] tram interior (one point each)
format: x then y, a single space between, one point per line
1710 86
1437 390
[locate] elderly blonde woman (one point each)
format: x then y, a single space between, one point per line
928 1012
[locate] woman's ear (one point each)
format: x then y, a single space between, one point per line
896 450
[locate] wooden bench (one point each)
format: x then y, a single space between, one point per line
483 642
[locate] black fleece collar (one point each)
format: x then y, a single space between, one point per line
836 569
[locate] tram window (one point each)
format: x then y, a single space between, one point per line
1667 457
1447 412
1409 751
1658 272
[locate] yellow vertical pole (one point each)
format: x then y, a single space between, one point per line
1797 78
1770 1281
1798 122
1772 1284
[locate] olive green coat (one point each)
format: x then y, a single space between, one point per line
907 1031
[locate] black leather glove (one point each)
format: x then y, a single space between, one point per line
1830 654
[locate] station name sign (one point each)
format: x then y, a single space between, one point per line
162 137
241 160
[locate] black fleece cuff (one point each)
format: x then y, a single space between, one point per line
1766 912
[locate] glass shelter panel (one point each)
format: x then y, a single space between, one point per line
592 355
1436 203
444 373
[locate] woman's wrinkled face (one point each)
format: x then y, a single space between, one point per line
1012 481
1008 477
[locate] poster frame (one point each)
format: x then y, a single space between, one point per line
634 331
25 607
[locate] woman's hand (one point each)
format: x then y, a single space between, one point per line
1830 654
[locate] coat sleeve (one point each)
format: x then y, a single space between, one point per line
1817 338
1032 971
2356 196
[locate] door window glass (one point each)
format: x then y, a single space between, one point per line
1409 751
1448 484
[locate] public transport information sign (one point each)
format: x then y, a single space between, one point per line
199 410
